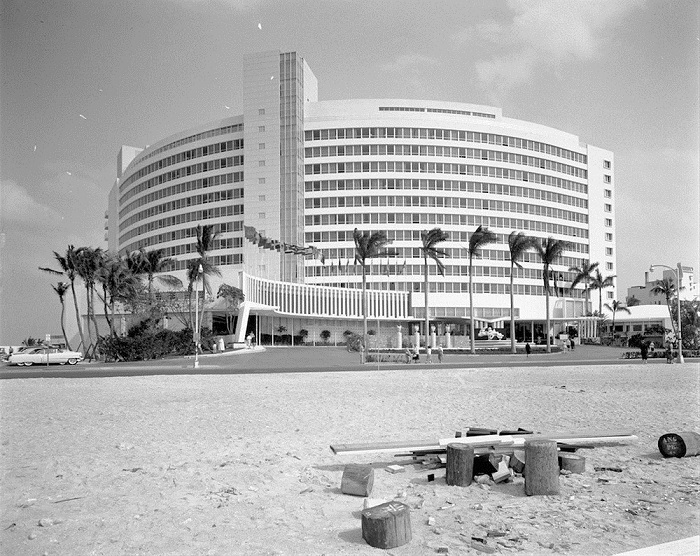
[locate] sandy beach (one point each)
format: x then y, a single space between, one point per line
240 464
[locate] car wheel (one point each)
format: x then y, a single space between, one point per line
20 364
61 362
72 361
28 363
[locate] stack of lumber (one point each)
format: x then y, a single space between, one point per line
487 441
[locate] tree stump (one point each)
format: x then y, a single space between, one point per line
572 462
679 444
387 525
541 467
460 464
357 480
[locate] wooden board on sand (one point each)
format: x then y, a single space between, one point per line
583 438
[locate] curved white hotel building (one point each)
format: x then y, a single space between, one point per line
300 173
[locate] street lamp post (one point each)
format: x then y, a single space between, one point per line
678 272
197 324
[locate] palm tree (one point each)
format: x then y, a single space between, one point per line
153 262
67 264
600 282
429 241
518 243
549 250
61 288
584 275
667 288
88 261
479 238
206 236
367 246
614 307
118 284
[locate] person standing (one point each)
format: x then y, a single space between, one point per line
528 349
429 354
669 354
440 353
644 348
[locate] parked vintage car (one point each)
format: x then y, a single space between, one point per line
44 356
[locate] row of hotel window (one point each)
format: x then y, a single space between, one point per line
442 168
438 151
452 287
440 220
186 248
347 255
199 152
445 185
366 201
229 162
415 235
236 128
347 268
179 219
184 187
184 202
183 233
216 260
442 135
436 111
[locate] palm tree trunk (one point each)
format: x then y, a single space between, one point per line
189 307
512 310
427 306
77 316
612 331
471 312
63 324
112 309
106 310
201 313
89 325
364 314
549 345
92 306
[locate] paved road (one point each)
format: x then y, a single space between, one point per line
316 359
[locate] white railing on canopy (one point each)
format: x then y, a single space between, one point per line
321 301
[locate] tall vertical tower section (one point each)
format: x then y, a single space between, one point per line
276 88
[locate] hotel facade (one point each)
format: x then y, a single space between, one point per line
287 181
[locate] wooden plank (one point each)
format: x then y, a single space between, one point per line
499 441
385 447
581 438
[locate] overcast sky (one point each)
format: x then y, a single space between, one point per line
80 78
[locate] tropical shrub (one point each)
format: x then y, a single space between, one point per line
353 341
635 341
140 346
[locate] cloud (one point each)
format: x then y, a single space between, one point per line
17 205
542 33
408 62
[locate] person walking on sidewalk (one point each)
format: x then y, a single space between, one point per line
644 348
528 349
